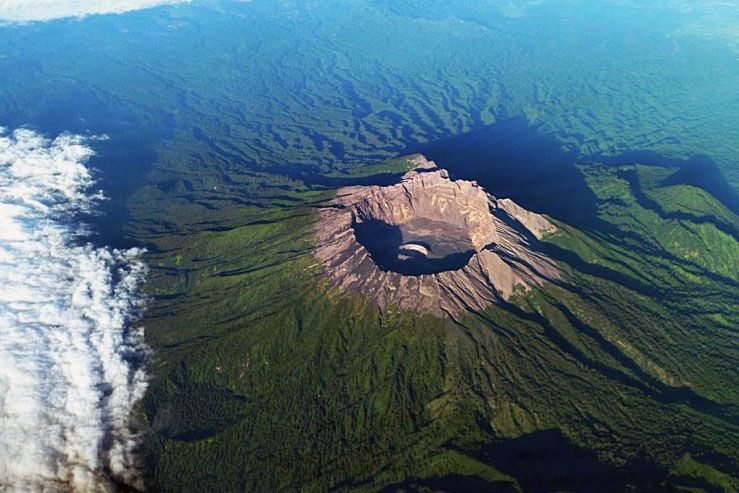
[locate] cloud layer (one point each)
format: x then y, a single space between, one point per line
44 10
68 377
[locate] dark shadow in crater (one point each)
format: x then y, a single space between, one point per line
383 242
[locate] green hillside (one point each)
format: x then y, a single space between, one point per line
621 376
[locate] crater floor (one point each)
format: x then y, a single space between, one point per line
412 248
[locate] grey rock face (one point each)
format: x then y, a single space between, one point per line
431 244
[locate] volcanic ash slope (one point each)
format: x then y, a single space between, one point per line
431 244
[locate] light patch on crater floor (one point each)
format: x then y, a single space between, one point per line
410 249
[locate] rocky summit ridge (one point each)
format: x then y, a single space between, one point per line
431 244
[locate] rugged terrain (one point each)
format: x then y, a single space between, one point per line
620 375
431 244
231 122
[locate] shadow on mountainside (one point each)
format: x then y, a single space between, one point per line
547 461
699 171
513 159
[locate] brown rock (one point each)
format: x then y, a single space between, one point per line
431 244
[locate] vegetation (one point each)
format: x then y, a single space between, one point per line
266 377
230 122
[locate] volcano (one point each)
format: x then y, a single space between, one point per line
431 244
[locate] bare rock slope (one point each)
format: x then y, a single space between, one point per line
431 244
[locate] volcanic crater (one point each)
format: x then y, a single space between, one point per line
431 244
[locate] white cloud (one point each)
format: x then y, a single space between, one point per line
44 10
67 384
